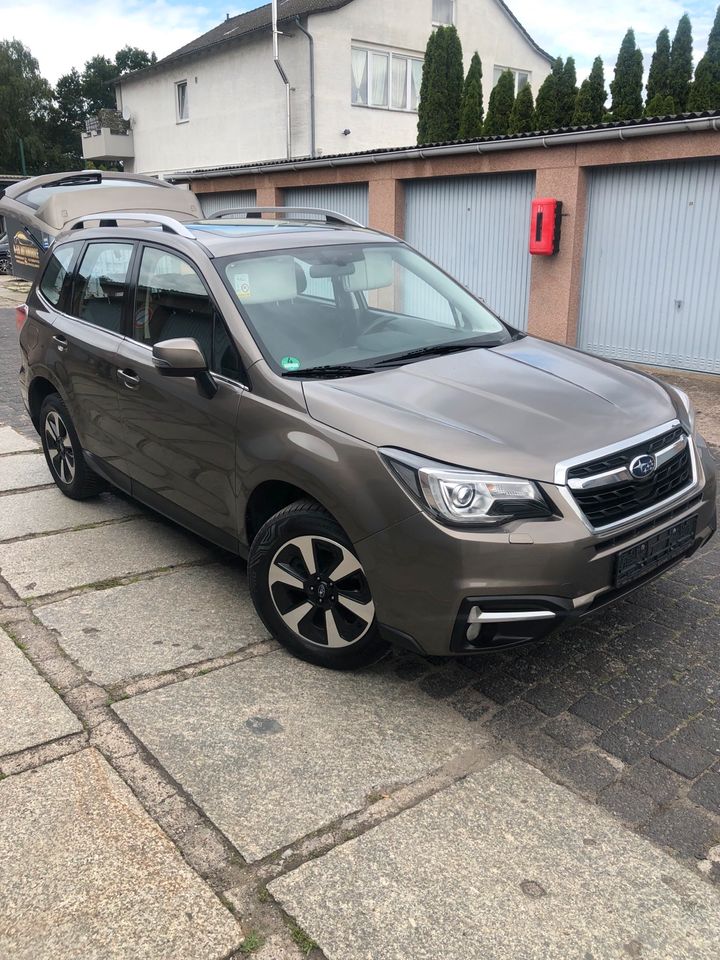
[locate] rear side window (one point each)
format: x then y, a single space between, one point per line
56 279
102 283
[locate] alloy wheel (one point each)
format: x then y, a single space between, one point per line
59 447
319 589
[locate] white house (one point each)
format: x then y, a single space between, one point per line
353 70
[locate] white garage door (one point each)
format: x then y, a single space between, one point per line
350 199
228 200
651 278
477 229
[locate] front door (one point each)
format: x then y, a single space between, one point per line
179 446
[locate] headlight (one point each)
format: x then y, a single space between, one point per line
465 496
686 404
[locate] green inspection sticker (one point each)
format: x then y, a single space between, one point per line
290 363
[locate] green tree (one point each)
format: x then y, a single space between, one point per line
441 88
681 64
471 108
522 115
590 104
705 90
626 88
660 106
546 102
67 118
658 84
133 58
567 94
97 88
25 102
500 106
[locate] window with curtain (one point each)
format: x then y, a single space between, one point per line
443 12
181 101
385 79
521 77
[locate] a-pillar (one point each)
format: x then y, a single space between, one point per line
555 281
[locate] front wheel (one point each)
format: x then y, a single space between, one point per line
310 589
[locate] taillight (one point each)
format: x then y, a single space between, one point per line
21 313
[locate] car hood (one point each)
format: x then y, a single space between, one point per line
517 409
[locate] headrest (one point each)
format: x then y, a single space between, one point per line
264 279
371 273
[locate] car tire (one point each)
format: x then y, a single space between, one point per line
63 452
325 620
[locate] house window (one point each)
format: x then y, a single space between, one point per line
181 102
385 79
522 77
443 12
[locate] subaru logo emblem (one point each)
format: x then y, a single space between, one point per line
643 466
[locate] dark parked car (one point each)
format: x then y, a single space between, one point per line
5 264
398 465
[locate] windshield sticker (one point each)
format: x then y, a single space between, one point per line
290 363
241 282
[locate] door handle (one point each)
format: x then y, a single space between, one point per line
128 379
61 343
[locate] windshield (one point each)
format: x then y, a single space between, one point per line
354 304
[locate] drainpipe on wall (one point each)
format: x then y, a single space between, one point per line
311 42
283 75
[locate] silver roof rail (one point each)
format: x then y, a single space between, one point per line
255 213
169 224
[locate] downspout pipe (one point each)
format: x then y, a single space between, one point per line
284 77
311 48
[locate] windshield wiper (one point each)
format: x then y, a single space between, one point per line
437 351
326 371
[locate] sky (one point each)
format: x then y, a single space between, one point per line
67 33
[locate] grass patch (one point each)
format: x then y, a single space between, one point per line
305 942
252 942
263 895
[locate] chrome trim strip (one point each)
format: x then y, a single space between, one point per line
508 616
561 469
667 453
607 479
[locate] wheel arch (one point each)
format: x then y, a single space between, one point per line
268 498
40 388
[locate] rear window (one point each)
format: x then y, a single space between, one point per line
56 279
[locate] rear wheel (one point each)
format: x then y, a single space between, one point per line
311 591
63 452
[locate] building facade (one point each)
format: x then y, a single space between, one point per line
353 69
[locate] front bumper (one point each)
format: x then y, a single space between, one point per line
426 578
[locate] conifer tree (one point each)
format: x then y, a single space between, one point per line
681 65
626 88
546 102
471 108
590 104
522 115
441 87
500 106
705 90
658 84
567 94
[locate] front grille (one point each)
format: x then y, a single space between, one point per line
606 505
623 457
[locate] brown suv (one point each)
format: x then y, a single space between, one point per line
398 465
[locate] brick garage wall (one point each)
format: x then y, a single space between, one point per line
560 172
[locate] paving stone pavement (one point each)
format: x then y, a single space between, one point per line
254 772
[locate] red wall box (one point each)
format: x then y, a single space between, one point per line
545 226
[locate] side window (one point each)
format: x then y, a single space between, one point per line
101 285
171 302
56 279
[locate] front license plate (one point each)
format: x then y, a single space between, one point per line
655 552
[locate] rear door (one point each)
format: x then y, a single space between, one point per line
86 340
179 447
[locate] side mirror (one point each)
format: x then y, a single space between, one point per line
183 357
